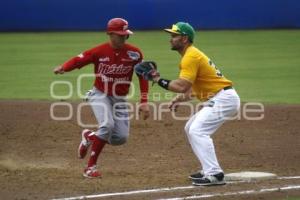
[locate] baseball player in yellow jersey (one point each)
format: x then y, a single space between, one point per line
200 78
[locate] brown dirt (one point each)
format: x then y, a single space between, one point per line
38 156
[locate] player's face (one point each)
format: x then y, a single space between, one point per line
176 42
117 41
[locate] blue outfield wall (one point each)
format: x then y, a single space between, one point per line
40 15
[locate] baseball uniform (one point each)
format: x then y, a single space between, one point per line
220 102
113 70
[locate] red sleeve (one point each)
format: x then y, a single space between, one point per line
144 87
79 61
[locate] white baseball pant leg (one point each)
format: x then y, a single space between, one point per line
224 105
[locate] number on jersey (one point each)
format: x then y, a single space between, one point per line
218 72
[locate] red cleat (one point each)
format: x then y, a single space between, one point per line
91 172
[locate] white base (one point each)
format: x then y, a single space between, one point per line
249 176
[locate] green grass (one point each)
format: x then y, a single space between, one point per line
264 65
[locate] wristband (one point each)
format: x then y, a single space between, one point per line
164 83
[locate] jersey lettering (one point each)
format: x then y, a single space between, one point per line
113 69
218 72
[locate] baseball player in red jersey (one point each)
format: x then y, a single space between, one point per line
114 63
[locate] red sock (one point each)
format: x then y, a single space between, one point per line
97 146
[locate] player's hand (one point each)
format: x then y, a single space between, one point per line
144 111
58 70
156 79
173 105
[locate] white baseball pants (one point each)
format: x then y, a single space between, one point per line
224 105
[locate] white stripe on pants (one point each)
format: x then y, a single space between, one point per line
204 123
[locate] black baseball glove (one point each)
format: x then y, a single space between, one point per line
147 69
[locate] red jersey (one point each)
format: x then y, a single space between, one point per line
113 68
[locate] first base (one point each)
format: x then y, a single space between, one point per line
249 176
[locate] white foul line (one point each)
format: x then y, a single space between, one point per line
289 177
156 190
139 192
128 193
290 187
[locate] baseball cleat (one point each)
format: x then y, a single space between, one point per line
84 144
91 172
217 179
197 175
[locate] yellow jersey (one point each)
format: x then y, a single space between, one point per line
205 77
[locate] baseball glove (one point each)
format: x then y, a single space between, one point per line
147 69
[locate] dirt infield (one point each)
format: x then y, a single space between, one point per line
38 156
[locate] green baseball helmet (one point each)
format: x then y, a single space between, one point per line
182 28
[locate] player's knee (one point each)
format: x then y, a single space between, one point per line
107 128
192 132
198 133
118 139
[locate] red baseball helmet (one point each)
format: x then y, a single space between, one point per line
118 26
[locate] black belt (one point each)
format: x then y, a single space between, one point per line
227 88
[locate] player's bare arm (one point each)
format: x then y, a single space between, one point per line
180 98
148 70
179 86
184 97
